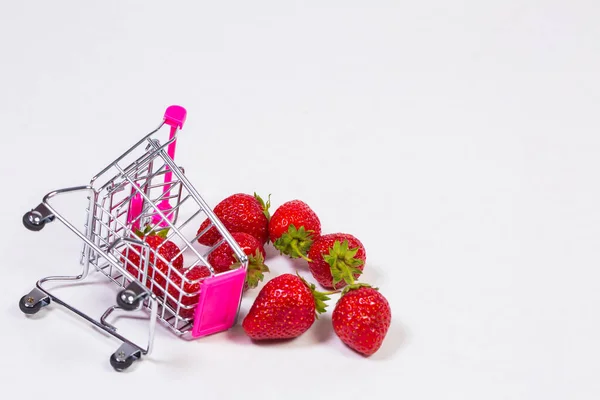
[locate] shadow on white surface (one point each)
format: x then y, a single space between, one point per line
322 329
396 339
172 361
237 335
13 310
271 252
320 332
300 265
372 275
273 258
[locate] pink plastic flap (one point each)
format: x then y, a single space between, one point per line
218 303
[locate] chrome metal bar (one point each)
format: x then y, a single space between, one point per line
173 227
55 299
215 221
125 154
176 208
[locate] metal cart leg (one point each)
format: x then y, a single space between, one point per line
126 354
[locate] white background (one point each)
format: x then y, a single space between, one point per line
458 140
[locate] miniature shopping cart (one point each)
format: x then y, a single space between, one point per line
140 194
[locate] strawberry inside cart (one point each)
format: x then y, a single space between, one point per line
140 233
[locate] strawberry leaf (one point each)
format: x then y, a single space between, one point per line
256 267
295 242
320 297
356 286
265 206
342 262
163 233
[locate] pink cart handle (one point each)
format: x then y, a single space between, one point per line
175 117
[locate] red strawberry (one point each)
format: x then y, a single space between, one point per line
189 281
293 227
337 259
223 259
285 308
361 318
168 253
239 213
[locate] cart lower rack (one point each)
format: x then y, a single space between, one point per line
141 233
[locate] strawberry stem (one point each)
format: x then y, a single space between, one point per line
319 297
294 246
356 286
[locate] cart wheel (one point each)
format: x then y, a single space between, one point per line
28 308
119 365
126 299
33 222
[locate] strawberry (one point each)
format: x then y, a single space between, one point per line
361 318
158 270
285 308
191 289
293 227
239 213
337 259
223 259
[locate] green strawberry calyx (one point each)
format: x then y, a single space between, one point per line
265 206
342 262
295 242
320 297
163 233
256 267
356 286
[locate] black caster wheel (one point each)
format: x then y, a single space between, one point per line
121 365
26 305
126 299
33 222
